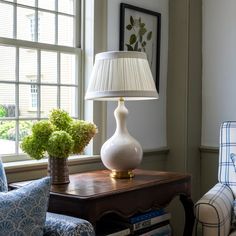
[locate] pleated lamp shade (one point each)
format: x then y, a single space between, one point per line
123 74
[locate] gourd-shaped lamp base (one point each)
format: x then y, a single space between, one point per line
121 153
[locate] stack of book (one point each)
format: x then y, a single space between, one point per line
152 223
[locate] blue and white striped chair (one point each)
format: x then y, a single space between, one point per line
216 209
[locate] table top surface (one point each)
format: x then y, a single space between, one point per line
98 183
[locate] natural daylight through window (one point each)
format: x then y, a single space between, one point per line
39 65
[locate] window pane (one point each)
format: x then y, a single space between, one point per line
7 63
67 68
68 95
7 137
48 4
65 30
27 64
28 100
25 24
27 2
6 20
48 67
47 27
7 99
48 99
25 127
66 6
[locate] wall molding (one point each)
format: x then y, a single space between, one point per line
31 165
209 149
157 151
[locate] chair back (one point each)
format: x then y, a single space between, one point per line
226 171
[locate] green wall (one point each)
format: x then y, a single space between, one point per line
155 160
184 101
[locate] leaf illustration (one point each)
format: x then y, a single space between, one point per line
129 27
140 38
136 23
142 31
149 36
132 39
131 20
144 44
142 25
136 46
129 47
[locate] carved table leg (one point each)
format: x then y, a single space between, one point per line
189 214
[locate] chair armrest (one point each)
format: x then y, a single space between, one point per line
214 210
62 225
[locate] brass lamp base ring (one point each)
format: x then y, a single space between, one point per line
122 174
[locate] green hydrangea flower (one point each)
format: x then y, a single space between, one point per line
60 144
82 132
60 119
33 147
58 137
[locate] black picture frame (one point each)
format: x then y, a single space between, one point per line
140 30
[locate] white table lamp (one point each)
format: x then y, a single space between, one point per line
120 76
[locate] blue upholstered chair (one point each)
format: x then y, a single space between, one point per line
216 209
23 212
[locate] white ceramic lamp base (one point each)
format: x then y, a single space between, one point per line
121 153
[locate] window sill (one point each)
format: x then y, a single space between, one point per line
20 166
32 165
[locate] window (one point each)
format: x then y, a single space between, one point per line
39 65
33 99
33 30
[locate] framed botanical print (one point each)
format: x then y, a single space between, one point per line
140 30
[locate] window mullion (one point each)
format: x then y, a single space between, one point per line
36 22
59 79
30 44
79 93
38 83
17 102
56 22
77 24
14 20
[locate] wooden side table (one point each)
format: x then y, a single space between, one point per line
91 195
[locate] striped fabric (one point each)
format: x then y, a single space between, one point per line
214 210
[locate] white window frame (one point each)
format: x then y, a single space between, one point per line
33 96
93 40
17 43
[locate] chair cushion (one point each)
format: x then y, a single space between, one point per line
226 171
3 179
233 217
233 158
58 225
23 211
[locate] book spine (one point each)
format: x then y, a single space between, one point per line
162 231
146 216
123 232
149 222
